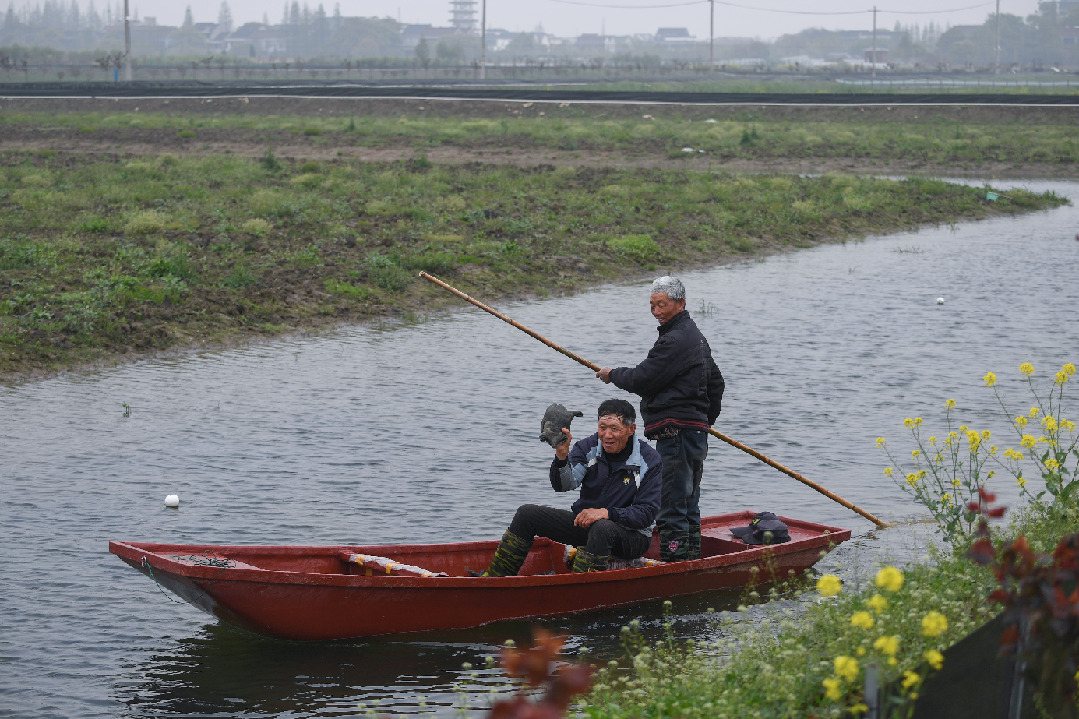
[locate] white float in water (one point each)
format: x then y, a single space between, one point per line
940 300
173 500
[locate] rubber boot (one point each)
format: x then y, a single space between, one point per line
673 546
694 543
585 561
571 554
509 556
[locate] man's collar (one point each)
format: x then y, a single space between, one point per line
672 321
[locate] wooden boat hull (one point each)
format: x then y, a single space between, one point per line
317 593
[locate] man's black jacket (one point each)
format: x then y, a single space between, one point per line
679 382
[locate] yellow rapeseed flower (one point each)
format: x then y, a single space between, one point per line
1026 368
1027 441
831 689
1021 421
934 624
890 579
1060 377
829 585
887 644
1068 425
880 441
1069 369
950 404
935 658
859 709
1052 464
915 453
1034 411
918 421
911 679
908 422
1021 481
846 668
862 620
990 379
973 439
887 471
912 479
877 603
1050 423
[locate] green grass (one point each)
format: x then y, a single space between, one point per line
104 254
937 136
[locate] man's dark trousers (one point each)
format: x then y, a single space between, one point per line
603 538
679 519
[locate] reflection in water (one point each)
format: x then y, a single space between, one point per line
222 666
428 434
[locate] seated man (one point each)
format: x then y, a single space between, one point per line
620 481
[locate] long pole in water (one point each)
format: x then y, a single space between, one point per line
596 368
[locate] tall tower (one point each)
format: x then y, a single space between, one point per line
463 15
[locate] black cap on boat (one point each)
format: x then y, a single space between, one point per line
764 528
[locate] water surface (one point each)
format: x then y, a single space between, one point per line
428 433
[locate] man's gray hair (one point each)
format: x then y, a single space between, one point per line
669 286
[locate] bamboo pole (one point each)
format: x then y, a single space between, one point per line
596 368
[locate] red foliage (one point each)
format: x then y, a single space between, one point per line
1040 595
534 665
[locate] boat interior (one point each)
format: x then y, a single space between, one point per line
440 560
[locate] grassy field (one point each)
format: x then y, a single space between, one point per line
946 140
105 253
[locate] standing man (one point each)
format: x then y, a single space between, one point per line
681 389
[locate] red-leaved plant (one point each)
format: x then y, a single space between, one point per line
536 665
1040 595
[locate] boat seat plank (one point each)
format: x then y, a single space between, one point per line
373 564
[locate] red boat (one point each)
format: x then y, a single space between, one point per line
297 592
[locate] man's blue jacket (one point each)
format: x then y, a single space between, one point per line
629 490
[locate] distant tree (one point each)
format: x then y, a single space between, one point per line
423 52
523 44
320 30
224 16
93 20
450 51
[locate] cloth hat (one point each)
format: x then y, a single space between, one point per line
764 528
554 420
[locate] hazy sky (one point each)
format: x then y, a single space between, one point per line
768 19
